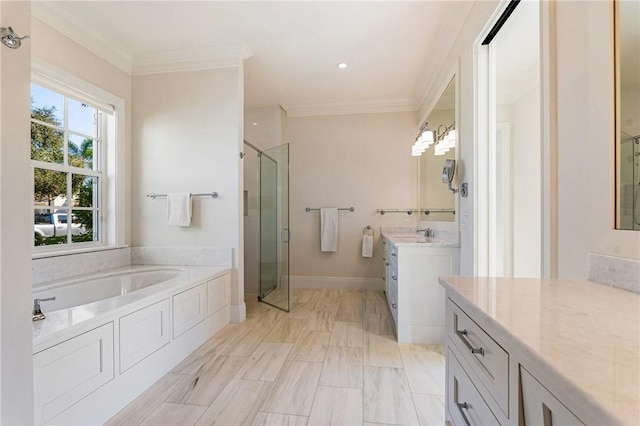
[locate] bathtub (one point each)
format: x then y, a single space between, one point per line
100 287
108 337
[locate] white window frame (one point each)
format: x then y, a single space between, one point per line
111 157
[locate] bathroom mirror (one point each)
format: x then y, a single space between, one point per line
627 30
435 201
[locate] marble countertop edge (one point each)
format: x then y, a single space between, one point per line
572 395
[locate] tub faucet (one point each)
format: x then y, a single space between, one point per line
427 232
37 314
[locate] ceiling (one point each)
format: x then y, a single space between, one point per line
296 45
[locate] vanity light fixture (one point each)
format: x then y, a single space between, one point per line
444 137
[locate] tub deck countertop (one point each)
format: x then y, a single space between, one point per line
66 323
583 335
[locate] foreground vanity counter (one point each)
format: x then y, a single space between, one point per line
541 352
412 265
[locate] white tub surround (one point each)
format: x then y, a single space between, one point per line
412 265
569 349
615 271
91 360
59 266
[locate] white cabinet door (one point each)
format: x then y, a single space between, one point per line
143 332
188 309
217 294
69 371
540 407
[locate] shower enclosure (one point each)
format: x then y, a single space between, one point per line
272 188
274 227
629 182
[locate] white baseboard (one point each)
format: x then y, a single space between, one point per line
238 313
348 283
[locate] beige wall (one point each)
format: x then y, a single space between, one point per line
16 365
362 161
187 134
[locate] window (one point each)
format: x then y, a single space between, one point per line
68 139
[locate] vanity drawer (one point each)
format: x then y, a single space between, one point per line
464 402
486 358
540 407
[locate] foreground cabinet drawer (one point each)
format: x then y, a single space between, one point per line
487 359
69 371
540 407
143 332
217 294
464 402
188 309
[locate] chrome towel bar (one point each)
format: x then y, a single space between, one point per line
351 209
153 196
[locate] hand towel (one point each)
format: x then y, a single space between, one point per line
367 245
329 229
179 209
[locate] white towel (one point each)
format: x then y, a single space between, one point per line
179 209
367 245
329 229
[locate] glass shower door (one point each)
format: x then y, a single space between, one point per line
274 227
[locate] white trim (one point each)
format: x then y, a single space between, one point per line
351 283
347 108
237 313
222 55
113 175
81 33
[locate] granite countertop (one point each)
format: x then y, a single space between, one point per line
583 335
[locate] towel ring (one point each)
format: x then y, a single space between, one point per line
368 228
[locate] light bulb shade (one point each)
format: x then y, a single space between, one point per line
426 136
440 149
423 144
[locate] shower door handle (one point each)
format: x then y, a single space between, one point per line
285 235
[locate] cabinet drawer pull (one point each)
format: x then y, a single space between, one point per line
394 306
461 407
386 263
393 254
461 334
395 277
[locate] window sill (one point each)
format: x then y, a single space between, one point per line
67 252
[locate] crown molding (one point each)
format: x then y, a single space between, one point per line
83 34
190 59
194 58
346 108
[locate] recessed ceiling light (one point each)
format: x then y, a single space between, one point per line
342 65
255 124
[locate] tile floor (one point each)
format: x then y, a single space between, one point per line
332 360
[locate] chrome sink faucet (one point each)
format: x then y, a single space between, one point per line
37 314
427 232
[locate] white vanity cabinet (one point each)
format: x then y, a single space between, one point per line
521 352
416 299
